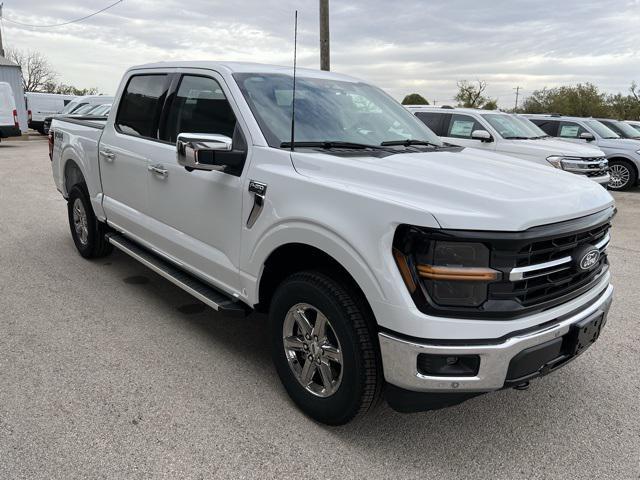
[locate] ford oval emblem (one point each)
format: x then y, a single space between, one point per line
589 259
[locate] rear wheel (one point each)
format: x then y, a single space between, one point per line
623 175
87 232
323 347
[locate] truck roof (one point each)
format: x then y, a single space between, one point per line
248 67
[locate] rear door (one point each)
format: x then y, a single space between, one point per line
550 127
436 121
125 148
7 105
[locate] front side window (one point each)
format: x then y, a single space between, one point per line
199 106
462 126
571 130
328 110
141 104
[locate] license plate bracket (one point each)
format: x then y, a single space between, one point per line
584 333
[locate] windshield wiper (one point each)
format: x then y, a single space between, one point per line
408 142
328 144
517 138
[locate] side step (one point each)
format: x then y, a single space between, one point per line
214 298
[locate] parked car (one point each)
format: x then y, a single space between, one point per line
9 126
634 124
512 135
42 105
100 110
78 104
389 262
624 130
623 153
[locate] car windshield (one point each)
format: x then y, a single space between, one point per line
623 129
69 107
601 129
84 109
511 127
635 126
328 110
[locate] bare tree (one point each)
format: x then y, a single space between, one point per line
37 74
635 91
470 95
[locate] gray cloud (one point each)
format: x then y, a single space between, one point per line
401 46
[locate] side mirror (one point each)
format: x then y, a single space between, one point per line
481 135
198 150
588 136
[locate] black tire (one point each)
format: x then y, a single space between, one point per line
350 318
618 167
95 245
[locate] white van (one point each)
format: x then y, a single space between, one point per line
42 105
8 114
512 135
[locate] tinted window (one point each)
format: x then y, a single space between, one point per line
461 126
141 104
570 130
550 127
199 106
435 121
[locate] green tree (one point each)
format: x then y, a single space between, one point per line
581 100
471 95
414 99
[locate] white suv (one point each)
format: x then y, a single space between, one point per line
512 135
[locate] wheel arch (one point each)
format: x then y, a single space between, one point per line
72 175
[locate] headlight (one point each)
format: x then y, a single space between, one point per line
555 160
454 274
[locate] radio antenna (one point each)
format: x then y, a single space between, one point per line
293 97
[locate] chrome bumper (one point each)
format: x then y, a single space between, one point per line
399 357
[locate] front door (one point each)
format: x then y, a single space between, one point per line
197 215
459 131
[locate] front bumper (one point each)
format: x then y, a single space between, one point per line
601 179
400 356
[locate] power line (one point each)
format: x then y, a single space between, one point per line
65 23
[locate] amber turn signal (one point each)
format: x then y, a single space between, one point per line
455 273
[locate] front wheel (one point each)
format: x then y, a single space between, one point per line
623 175
324 348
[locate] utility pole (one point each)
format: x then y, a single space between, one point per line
1 47
324 35
517 89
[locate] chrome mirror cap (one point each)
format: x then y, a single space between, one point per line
192 149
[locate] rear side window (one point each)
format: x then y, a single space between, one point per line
550 127
141 105
199 106
570 130
435 121
462 126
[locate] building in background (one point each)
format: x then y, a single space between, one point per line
12 74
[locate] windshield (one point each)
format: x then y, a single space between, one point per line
70 106
601 129
511 127
84 109
635 126
623 129
328 110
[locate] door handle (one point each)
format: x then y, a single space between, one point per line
158 169
108 155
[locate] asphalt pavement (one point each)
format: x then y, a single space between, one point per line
109 371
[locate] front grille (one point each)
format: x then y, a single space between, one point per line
549 270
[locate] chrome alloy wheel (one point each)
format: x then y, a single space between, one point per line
312 349
620 176
80 222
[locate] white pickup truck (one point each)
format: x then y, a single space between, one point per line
390 264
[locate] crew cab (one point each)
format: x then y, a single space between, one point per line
390 264
514 136
623 153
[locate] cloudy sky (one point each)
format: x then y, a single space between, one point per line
404 47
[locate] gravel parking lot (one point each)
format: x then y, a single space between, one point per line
109 371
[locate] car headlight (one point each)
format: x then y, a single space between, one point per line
555 160
451 273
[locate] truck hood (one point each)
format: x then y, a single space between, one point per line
469 189
620 144
544 147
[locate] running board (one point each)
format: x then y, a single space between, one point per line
214 298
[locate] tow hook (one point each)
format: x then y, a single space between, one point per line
522 386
